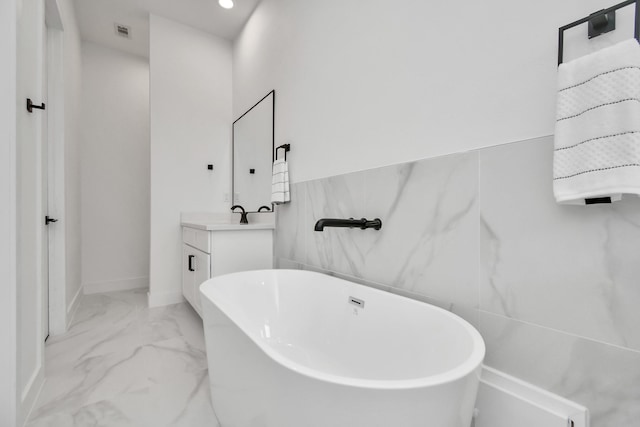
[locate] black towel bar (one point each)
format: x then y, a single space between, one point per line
600 22
286 148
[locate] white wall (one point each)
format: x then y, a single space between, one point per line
190 110
366 85
115 170
8 299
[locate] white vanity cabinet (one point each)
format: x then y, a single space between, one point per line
196 268
215 249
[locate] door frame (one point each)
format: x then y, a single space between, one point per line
56 162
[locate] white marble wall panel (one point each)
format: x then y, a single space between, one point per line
428 244
336 249
287 264
600 376
571 268
290 237
554 289
429 241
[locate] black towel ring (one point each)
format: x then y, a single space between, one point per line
286 148
600 22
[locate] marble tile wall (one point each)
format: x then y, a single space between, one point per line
554 290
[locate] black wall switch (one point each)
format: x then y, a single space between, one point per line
210 167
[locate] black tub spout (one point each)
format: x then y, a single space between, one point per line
362 223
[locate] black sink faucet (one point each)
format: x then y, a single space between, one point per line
351 223
268 209
243 215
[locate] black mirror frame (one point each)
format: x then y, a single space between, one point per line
273 139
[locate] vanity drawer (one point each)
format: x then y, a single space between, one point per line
199 239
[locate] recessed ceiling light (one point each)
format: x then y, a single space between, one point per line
227 4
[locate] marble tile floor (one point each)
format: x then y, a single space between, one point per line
123 364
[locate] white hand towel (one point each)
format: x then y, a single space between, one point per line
597 138
280 182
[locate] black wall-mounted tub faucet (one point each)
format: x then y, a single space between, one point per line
243 214
363 223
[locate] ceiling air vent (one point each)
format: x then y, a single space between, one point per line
123 31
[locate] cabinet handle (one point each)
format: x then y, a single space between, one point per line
191 267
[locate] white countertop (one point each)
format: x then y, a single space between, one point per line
227 221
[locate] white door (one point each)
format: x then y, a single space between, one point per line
31 198
188 272
201 275
195 271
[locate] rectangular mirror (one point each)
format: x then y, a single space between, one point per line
253 147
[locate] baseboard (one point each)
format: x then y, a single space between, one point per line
506 401
159 299
116 285
72 308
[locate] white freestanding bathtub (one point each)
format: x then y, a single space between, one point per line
289 348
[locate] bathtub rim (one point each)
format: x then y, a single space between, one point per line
472 363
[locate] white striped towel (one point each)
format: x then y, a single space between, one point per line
597 138
280 182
